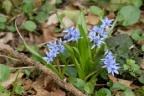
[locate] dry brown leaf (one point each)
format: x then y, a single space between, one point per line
141 63
11 79
118 93
127 83
111 15
8 37
37 3
134 86
48 33
114 79
68 23
58 93
92 19
27 83
53 19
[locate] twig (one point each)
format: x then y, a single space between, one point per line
23 58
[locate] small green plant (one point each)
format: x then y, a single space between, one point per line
133 68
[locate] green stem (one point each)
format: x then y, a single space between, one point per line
58 65
113 25
94 72
14 86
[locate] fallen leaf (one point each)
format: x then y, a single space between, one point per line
11 79
114 79
58 93
27 84
68 23
37 3
141 63
48 33
53 19
92 19
8 37
127 83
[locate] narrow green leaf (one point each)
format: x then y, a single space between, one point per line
61 21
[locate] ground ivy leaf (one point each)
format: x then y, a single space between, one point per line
129 15
127 93
103 92
30 26
141 79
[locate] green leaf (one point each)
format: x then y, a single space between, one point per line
4 72
27 8
28 1
129 15
137 35
89 87
2 26
72 14
137 3
7 5
30 26
97 11
71 71
78 83
11 28
119 86
46 7
127 93
18 88
103 92
142 48
27 72
41 17
141 79
3 19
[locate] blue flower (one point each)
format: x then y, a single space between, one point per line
49 57
55 48
72 34
110 63
106 22
97 41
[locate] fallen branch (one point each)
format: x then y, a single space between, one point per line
23 58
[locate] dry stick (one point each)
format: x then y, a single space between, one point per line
23 58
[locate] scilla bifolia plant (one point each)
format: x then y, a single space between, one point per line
88 53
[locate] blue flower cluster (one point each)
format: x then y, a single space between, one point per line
98 34
110 63
72 34
55 48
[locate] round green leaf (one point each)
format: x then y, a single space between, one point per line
96 10
103 92
137 35
141 79
137 3
30 26
4 72
3 19
128 93
89 87
129 15
41 17
2 26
